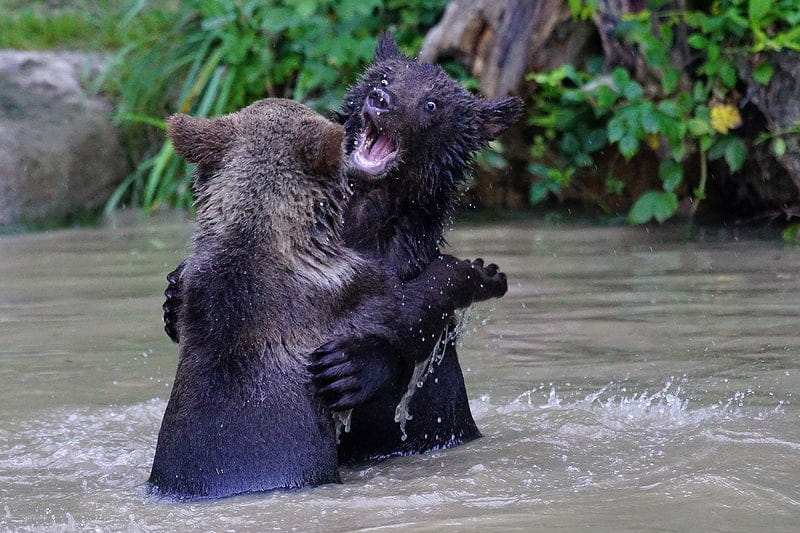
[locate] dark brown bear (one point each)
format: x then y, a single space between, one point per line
268 281
411 135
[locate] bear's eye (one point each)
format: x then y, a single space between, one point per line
430 106
384 82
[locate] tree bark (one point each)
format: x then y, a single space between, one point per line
500 41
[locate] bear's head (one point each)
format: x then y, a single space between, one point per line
411 115
271 173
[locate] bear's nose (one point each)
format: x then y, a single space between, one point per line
381 100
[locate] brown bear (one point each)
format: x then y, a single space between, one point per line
268 281
411 134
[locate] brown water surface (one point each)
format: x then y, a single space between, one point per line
630 380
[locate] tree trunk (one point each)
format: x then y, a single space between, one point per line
500 41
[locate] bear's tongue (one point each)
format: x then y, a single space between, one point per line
375 151
382 147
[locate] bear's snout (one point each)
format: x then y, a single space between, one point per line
380 101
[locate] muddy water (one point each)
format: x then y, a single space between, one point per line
630 380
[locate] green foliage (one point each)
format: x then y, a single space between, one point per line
791 235
68 24
216 56
653 205
689 110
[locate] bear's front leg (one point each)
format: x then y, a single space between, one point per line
460 282
352 370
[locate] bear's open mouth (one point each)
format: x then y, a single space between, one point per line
375 149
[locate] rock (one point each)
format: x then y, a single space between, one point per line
59 151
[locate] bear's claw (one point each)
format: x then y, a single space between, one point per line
351 371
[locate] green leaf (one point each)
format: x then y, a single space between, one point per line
570 144
659 205
791 234
778 147
594 141
632 91
717 150
685 102
650 122
714 24
655 50
667 35
628 146
671 173
763 73
305 8
699 92
583 160
699 127
144 119
670 80
540 190
697 41
538 169
606 97
678 150
727 73
714 52
615 130
614 185
672 128
670 108
621 78
756 9
735 154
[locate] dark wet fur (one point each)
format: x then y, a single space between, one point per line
399 222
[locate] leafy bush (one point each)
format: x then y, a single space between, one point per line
219 55
691 109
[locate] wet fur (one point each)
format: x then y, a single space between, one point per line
399 220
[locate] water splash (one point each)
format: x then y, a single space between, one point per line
613 407
453 333
342 419
83 438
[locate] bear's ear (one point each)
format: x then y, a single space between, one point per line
387 49
498 115
323 146
200 140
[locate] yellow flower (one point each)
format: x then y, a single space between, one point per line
653 141
725 117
